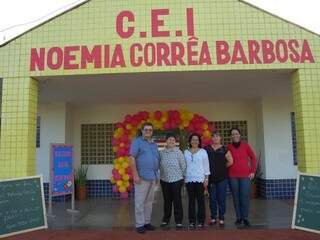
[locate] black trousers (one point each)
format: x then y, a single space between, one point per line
196 194
172 195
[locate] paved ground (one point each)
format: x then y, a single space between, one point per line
102 219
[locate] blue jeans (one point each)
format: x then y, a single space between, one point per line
240 188
217 194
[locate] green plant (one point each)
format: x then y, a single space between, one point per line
81 175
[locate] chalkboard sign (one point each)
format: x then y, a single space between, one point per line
306 213
22 206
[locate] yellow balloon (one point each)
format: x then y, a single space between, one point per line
126 177
125 165
120 159
129 126
206 133
116 134
117 166
121 171
126 184
122 189
190 115
205 126
185 123
164 119
119 183
112 180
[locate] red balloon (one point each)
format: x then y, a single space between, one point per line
190 128
124 139
173 125
166 126
199 131
176 114
119 125
145 115
134 122
198 126
129 171
157 115
114 141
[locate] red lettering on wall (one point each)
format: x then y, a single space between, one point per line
238 54
294 55
254 49
222 52
120 22
55 58
306 54
91 57
267 51
156 23
37 59
135 61
69 56
118 57
190 23
177 54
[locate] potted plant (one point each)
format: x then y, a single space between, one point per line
258 174
80 180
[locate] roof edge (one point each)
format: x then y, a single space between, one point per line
86 1
283 19
44 22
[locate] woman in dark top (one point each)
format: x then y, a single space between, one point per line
219 159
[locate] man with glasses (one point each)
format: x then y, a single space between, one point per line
144 162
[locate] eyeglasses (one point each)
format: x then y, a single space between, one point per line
148 129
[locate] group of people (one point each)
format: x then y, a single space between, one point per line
210 168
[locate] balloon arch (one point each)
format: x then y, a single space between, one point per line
127 130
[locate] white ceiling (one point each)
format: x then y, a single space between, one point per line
164 87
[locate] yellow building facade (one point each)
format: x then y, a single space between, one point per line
101 38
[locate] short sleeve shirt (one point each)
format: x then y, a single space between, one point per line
147 158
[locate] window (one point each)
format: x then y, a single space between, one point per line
224 129
96 147
38 132
294 138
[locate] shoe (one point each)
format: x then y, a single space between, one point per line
221 223
179 226
200 226
238 222
246 223
192 226
149 227
141 230
164 224
213 222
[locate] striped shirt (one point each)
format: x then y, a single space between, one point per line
172 165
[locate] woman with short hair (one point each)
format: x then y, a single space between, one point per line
172 171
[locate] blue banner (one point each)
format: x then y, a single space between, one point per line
61 169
